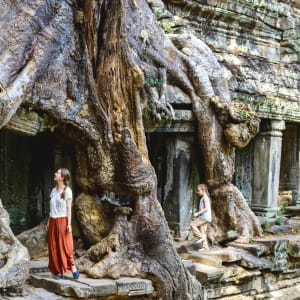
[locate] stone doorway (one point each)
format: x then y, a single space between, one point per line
177 165
27 165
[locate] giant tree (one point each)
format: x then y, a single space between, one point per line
85 65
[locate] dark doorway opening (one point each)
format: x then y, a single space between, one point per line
27 166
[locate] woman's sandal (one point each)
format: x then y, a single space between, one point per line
76 275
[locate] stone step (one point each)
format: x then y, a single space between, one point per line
254 249
205 273
38 266
87 287
203 258
293 210
224 254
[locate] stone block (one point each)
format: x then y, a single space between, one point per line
89 287
202 258
38 266
64 287
254 249
279 229
293 248
134 286
293 210
252 262
187 247
225 254
278 253
206 273
228 236
101 287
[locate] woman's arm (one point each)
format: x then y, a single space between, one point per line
202 211
69 214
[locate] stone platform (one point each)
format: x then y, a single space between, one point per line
84 288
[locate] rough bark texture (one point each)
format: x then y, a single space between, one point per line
87 66
14 257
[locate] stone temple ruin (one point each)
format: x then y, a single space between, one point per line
258 47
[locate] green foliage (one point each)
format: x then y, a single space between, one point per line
152 80
243 111
280 221
256 104
168 27
265 223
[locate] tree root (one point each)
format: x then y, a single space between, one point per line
14 257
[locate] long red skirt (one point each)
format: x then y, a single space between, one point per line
60 247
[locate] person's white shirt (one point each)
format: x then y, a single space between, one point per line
58 205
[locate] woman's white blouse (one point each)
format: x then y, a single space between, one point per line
58 205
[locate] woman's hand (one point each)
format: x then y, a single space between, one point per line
69 228
195 215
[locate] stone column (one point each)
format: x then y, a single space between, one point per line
266 173
289 171
179 187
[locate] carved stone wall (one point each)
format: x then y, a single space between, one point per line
243 176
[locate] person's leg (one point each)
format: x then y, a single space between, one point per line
55 265
195 226
203 229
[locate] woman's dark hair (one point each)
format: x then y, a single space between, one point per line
67 177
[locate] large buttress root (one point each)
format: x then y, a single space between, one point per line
14 257
139 245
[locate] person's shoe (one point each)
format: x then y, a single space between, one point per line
58 276
76 275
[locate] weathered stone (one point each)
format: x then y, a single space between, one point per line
254 249
187 247
103 287
202 258
267 155
280 229
293 210
225 254
87 287
277 248
206 273
134 286
293 248
26 122
38 266
251 262
228 236
64 287
35 240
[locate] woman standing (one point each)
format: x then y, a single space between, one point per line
60 239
